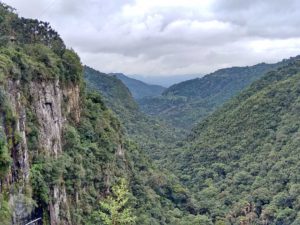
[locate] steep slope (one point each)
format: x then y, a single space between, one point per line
117 95
62 151
138 88
243 160
188 102
154 136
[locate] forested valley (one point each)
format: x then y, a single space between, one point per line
78 146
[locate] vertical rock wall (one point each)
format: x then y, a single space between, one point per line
47 101
18 178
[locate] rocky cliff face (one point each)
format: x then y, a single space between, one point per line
19 174
46 100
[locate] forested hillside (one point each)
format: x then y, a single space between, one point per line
154 136
138 88
64 157
185 104
243 160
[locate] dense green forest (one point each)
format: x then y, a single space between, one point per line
185 104
154 136
241 163
243 160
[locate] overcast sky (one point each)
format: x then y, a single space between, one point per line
168 37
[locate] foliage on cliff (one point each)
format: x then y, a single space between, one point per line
27 31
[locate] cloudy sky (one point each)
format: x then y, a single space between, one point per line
170 37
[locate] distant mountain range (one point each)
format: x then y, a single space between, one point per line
186 103
138 88
165 81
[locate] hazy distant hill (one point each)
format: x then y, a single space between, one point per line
138 88
165 81
188 102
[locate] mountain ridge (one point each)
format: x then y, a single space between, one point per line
139 89
188 102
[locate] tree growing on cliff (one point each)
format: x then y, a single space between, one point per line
115 210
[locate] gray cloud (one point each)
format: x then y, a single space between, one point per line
172 36
269 19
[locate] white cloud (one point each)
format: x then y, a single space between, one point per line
166 37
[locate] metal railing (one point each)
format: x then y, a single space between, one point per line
33 221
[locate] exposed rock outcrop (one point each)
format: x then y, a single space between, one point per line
47 100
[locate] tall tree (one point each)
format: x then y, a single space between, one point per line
115 210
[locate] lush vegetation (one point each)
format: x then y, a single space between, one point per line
114 209
138 88
96 155
93 168
239 165
185 104
243 160
154 136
